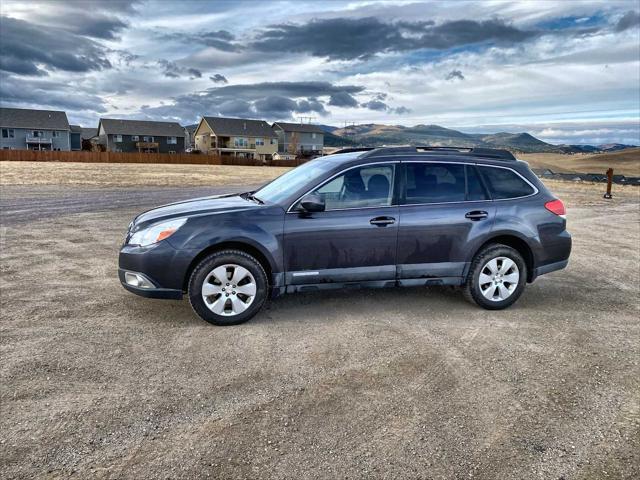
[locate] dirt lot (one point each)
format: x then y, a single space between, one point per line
116 175
404 383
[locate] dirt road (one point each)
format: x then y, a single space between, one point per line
404 383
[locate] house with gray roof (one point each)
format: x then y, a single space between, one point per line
140 136
237 137
26 129
299 138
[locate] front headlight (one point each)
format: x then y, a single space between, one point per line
156 232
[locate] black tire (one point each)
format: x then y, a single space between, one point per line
471 288
206 266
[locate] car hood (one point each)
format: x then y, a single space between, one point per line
196 206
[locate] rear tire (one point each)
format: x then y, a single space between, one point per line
496 278
228 287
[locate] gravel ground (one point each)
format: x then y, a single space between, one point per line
400 383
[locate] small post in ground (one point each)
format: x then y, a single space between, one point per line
609 181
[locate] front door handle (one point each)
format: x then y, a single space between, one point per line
476 215
382 221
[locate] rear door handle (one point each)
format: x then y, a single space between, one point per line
476 215
382 221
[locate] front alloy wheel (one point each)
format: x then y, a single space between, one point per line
229 290
228 287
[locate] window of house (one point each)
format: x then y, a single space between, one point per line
505 183
313 134
135 138
172 140
435 183
313 147
369 186
148 139
55 134
259 141
240 142
37 133
274 141
8 133
117 138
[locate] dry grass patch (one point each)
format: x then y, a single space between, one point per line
130 175
625 162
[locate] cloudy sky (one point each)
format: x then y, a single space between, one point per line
566 71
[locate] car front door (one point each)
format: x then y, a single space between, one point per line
354 239
444 210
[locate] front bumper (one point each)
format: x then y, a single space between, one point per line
160 264
153 292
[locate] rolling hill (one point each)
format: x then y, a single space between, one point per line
374 134
377 135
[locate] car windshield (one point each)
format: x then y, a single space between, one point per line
283 186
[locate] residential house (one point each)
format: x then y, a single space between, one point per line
75 135
236 137
190 137
299 138
26 129
140 136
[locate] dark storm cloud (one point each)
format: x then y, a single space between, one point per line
269 100
220 39
453 74
629 20
173 70
96 25
26 46
361 38
375 105
38 93
218 78
401 110
342 99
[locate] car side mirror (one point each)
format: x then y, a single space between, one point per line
312 203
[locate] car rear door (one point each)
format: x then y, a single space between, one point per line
354 239
444 210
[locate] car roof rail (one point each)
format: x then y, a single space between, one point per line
353 149
493 153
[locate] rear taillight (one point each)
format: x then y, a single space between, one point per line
557 207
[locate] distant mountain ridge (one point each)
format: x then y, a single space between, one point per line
375 135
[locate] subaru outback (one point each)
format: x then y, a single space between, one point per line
404 216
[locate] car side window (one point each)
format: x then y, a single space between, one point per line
475 189
368 186
504 183
435 183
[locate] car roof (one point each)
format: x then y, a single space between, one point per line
447 154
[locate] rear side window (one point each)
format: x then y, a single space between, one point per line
442 183
475 190
435 183
504 183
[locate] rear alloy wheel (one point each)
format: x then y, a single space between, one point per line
496 278
228 287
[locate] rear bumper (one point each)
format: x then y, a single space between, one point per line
155 292
551 267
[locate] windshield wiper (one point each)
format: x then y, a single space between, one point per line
252 197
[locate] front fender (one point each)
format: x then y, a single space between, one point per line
261 229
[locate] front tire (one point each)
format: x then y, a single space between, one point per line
228 287
496 278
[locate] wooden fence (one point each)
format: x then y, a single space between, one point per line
136 157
